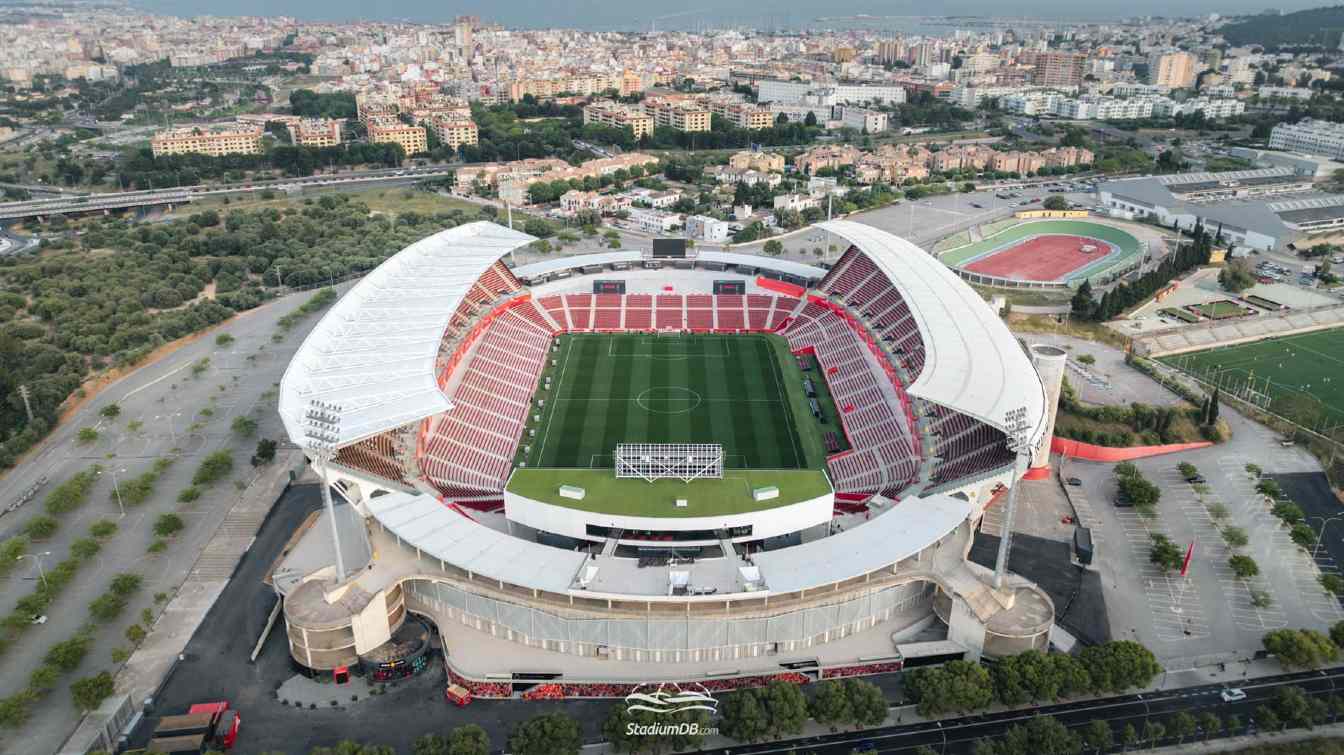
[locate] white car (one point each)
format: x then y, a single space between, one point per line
1233 695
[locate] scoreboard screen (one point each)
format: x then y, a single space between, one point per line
669 247
608 287
730 287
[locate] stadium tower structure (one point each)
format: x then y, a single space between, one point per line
435 359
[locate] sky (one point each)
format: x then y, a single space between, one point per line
625 15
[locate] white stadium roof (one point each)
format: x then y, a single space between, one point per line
373 353
422 522
972 362
888 538
556 264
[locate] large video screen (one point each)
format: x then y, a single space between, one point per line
669 247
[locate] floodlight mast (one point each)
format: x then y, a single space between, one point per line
1018 441
322 431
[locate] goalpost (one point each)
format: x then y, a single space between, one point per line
661 461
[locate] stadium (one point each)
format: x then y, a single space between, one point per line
1047 254
600 471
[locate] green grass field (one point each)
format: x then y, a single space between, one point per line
743 392
604 494
1221 310
1300 377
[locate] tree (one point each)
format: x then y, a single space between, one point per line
1210 724
1332 583
1295 708
1300 648
1165 554
1243 566
1153 731
111 411
1129 736
646 731
68 654
830 705
1042 734
168 524
89 692
867 702
810 120
957 686
1119 665
244 426
1235 537
742 717
265 452
1236 277
1055 202
1182 725
1337 630
546 734
785 707
1267 718
1098 735
213 468
1082 303
774 248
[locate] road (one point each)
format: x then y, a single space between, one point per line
960 735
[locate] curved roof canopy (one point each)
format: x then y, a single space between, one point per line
972 363
373 353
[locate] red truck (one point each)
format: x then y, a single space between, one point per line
208 725
457 695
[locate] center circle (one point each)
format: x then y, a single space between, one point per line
668 399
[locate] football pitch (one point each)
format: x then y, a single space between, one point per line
1300 377
741 391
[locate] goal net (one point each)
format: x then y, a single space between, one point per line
660 461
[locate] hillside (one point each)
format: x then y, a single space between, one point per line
1318 26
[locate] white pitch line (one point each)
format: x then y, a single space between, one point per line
163 377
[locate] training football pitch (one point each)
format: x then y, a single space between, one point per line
1301 377
741 391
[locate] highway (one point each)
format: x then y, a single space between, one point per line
960 735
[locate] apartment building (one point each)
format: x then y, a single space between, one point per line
707 229
682 115
454 133
765 162
617 115
371 105
1016 162
1173 69
236 139
742 114
1310 136
551 87
389 130
1056 69
315 132
832 156
862 119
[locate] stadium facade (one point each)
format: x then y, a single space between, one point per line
434 360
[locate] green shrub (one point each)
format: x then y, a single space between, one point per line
86 436
188 494
213 468
167 525
103 528
72 493
107 607
111 411
85 548
158 546
90 692
10 551
41 527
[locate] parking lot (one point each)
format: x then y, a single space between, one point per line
1209 611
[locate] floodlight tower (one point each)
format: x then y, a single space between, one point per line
1019 443
322 431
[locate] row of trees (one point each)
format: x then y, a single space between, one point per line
1127 295
1033 676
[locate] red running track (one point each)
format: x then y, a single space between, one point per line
1051 257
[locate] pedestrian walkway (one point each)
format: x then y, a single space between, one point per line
152 662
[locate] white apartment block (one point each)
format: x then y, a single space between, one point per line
862 119
795 92
1284 93
654 221
707 228
1310 136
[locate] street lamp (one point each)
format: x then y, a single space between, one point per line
1019 443
1320 538
322 431
116 489
38 558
